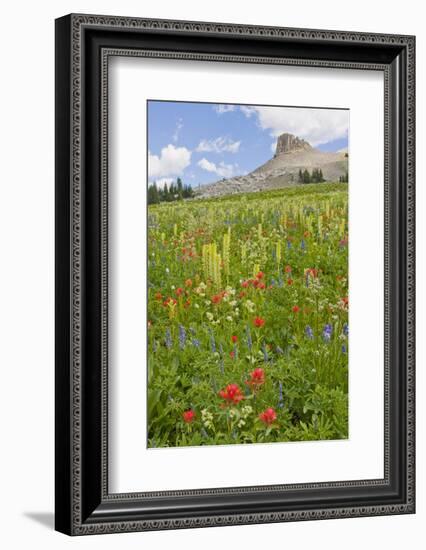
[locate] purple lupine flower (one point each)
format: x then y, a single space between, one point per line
235 350
249 340
289 244
280 395
326 333
279 350
196 343
182 336
168 339
309 332
344 349
212 342
346 329
302 244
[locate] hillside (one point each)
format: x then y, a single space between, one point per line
292 154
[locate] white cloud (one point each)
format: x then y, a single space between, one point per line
171 162
274 146
179 126
317 126
220 108
218 145
248 111
223 170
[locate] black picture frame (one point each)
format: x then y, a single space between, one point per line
83 45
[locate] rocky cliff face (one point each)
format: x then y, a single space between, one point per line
292 154
287 143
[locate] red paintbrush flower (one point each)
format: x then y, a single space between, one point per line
258 322
232 394
257 378
188 416
268 416
295 309
234 339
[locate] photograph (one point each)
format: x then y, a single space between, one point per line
247 273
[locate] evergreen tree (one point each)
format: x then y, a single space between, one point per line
179 189
306 177
300 176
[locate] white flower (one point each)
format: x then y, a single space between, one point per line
196 306
209 316
173 287
229 318
233 303
167 270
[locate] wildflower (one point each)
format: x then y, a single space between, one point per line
217 298
344 301
241 294
188 283
279 350
258 322
280 395
179 291
309 332
212 343
295 309
287 269
302 244
245 284
196 343
261 285
232 354
234 339
260 275
326 333
182 336
187 303
188 416
345 329
257 378
311 272
249 340
289 281
268 416
168 339
231 394
158 296
246 411
344 349
209 316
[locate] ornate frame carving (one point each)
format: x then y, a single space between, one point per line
84 506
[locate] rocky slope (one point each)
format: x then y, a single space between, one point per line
292 154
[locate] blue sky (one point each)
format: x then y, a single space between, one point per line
205 142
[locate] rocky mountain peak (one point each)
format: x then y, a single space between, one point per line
288 143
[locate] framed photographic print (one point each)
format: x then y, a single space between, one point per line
234 274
